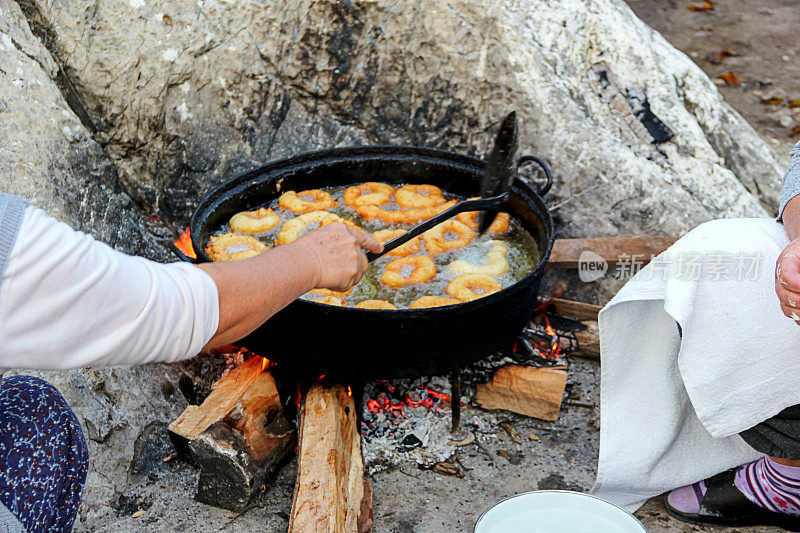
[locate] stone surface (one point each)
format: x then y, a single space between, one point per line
48 156
186 94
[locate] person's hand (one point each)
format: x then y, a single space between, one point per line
337 254
787 280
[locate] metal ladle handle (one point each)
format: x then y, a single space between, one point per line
480 204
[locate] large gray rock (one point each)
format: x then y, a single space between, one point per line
186 93
46 154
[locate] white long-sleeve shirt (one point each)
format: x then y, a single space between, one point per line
68 301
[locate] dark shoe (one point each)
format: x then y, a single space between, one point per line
725 505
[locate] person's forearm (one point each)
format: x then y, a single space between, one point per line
252 290
791 217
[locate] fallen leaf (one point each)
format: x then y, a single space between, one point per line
794 102
772 100
167 19
730 78
532 436
138 513
707 5
448 469
721 55
796 131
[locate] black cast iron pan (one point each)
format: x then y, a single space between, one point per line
360 344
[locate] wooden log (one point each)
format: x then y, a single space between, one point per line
225 394
526 390
573 309
588 341
330 494
566 252
238 437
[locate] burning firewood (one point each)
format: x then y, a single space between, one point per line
237 438
330 495
588 341
526 390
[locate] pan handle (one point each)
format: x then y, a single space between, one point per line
548 177
182 256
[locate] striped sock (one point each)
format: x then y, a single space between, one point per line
774 486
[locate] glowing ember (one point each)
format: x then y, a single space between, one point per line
184 244
387 402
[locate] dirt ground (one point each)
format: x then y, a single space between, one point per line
764 34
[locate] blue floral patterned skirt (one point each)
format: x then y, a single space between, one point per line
43 455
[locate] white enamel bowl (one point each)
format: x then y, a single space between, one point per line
556 511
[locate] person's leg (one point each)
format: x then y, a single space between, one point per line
768 485
43 455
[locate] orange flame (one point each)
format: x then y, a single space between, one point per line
555 349
184 244
349 392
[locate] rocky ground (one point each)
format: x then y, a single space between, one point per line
764 35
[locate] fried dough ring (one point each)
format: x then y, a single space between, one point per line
424 302
409 216
331 300
369 193
375 304
411 247
257 221
424 270
218 246
501 223
463 287
416 196
291 200
436 239
328 292
291 229
496 262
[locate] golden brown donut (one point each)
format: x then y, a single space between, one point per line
408 216
294 202
466 287
411 247
231 246
375 304
424 302
416 196
496 262
291 229
423 270
436 239
257 221
369 193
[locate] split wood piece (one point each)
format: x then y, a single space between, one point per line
614 250
588 341
330 495
238 437
526 390
225 394
572 309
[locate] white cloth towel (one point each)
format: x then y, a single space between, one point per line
674 400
